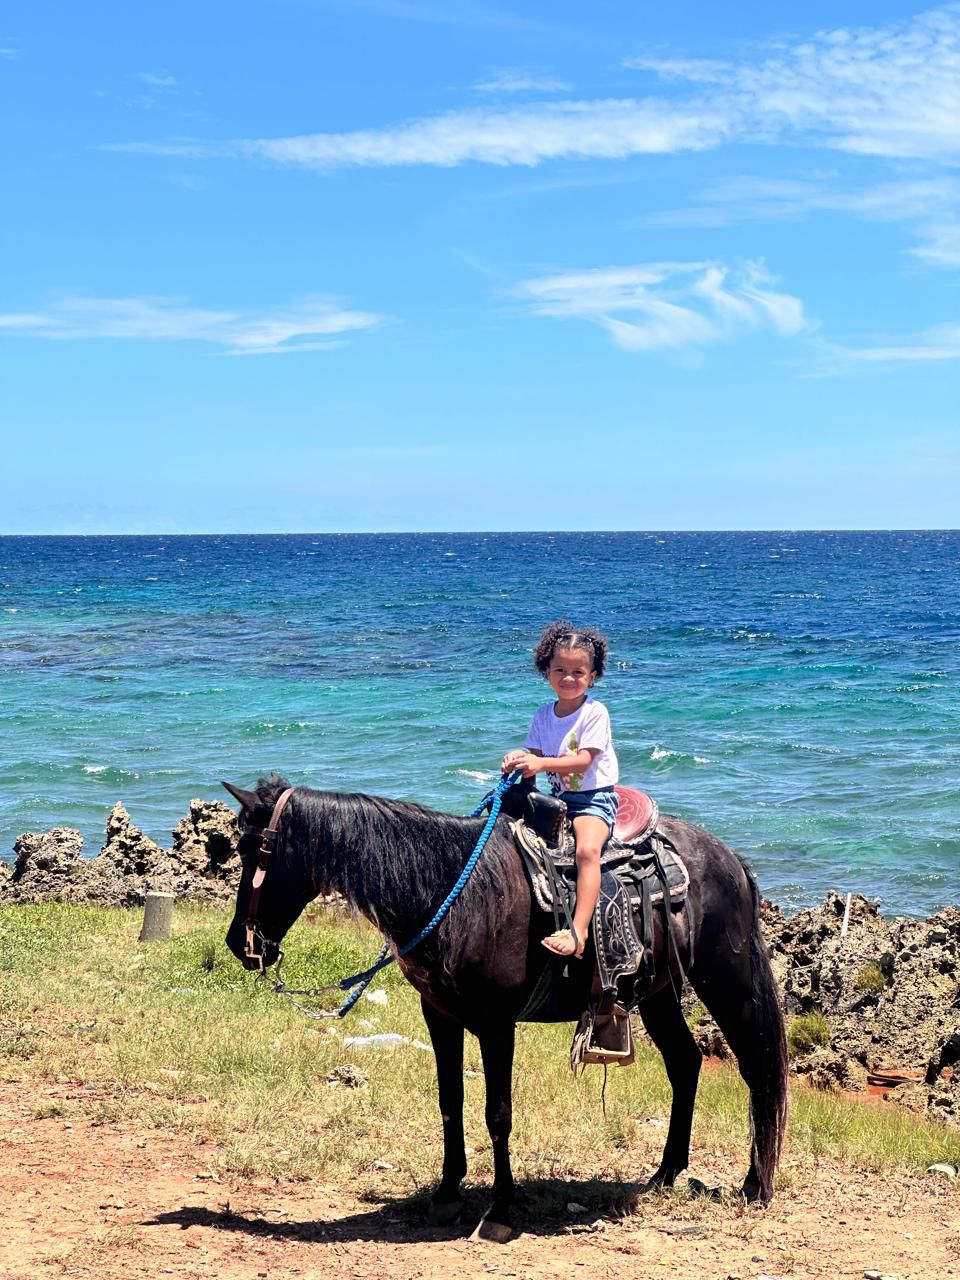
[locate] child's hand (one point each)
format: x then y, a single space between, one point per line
528 764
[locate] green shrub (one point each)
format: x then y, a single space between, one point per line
870 979
807 1031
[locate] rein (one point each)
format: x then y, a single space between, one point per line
360 981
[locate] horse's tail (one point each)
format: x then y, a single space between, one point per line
769 1077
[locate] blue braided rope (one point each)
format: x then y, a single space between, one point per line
494 800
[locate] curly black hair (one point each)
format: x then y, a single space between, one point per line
561 635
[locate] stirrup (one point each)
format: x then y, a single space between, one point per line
602 1037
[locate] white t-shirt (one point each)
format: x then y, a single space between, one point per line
554 735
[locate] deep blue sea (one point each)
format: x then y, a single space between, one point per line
796 693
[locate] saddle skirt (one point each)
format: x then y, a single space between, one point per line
636 875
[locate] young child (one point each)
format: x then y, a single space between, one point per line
570 741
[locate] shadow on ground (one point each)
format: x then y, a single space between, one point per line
542 1209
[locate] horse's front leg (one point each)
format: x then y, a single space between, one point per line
496 1049
447 1039
665 1024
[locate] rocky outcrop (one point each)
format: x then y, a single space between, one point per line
889 995
47 864
202 864
205 841
127 851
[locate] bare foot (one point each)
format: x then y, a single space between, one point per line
564 943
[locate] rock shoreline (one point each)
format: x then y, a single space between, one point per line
877 1008
202 863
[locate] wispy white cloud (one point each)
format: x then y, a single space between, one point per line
939 343
525 136
157 79
890 91
517 80
309 325
695 70
669 305
8 54
941 244
930 205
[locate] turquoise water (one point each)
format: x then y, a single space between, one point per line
796 693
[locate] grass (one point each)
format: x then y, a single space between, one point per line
807 1031
870 979
175 1035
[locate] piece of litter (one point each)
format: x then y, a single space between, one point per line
420 1044
948 1170
377 997
183 991
387 1040
383 1164
349 1075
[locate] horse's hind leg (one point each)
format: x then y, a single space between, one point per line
447 1039
739 990
664 1021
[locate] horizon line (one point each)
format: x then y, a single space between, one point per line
460 533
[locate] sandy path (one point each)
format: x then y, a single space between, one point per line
120 1203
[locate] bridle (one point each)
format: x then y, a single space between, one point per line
268 842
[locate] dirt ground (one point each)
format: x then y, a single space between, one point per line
119 1203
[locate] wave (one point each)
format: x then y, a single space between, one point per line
110 773
664 753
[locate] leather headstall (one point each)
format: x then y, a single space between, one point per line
268 842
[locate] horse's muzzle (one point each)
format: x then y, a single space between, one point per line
255 952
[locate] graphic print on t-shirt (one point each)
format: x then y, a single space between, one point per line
572 781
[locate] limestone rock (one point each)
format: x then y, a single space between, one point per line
205 841
127 849
912 1097
889 990
47 865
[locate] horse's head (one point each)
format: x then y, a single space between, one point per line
273 888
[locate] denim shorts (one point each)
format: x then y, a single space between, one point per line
601 803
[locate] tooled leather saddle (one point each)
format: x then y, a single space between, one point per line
639 871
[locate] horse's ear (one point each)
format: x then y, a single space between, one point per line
249 800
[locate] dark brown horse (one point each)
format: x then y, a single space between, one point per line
396 863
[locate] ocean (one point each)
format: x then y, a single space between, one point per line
795 693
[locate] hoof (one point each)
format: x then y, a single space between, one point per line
493 1232
444 1214
658 1182
700 1191
752 1192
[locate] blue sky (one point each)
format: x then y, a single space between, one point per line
443 264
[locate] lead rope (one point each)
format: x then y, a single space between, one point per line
360 981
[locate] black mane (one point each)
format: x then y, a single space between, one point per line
396 862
